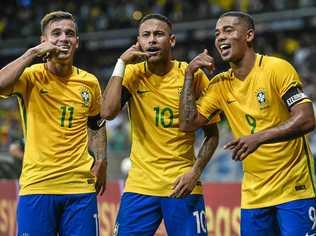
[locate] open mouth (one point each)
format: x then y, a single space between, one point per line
64 48
153 50
224 48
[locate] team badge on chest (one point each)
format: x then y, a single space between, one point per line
86 97
262 98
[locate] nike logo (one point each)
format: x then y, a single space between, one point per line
230 101
307 234
142 91
43 91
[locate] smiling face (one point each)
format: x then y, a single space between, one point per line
232 38
63 34
156 39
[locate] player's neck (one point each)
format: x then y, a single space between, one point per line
160 68
59 69
243 67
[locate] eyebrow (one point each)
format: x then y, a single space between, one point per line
154 32
224 28
59 28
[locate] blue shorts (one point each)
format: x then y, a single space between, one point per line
141 215
68 215
288 219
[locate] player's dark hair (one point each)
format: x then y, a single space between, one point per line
56 16
158 17
242 16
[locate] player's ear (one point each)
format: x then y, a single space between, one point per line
77 43
250 35
172 40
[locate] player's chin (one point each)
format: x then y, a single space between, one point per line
155 58
64 57
226 58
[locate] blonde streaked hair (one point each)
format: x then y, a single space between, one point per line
56 16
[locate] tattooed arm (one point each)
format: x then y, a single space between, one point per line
190 118
186 183
97 144
207 149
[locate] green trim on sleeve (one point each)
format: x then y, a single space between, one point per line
22 109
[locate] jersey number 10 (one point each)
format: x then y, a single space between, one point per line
164 117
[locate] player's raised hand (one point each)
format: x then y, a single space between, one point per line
99 170
134 54
47 50
243 146
203 60
184 184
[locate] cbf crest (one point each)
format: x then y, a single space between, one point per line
86 97
261 98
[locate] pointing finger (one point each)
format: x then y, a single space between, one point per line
231 145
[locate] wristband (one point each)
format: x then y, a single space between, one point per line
119 68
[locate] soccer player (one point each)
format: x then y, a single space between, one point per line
269 114
58 103
163 182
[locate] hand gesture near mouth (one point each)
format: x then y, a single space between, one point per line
47 50
203 60
134 55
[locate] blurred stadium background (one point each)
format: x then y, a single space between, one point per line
285 28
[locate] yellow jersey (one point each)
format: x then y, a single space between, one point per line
277 172
160 151
54 113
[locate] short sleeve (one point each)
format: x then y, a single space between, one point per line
200 87
96 102
288 84
200 83
208 104
285 77
128 78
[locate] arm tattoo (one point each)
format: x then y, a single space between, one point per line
207 149
98 142
188 109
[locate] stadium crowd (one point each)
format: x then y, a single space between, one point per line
297 46
97 15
